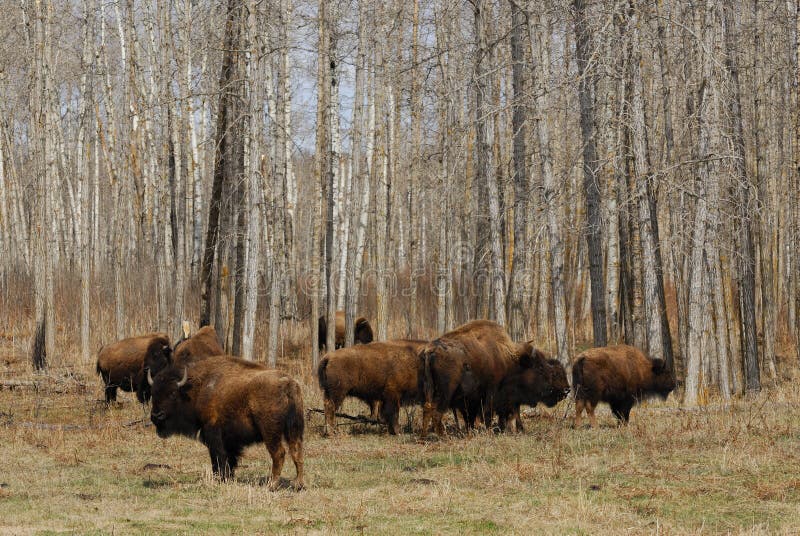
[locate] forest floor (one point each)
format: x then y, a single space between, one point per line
69 464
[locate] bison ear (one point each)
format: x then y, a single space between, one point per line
659 366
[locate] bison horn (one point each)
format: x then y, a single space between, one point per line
149 378
183 380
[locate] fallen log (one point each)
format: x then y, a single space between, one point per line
357 419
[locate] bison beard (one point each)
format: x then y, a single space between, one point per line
361 327
229 403
620 375
536 379
382 373
484 350
122 365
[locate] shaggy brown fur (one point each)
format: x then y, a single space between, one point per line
536 379
202 344
362 331
378 372
481 347
122 364
620 375
229 403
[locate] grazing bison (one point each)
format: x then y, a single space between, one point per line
536 379
202 344
228 404
362 331
482 348
122 364
620 375
378 372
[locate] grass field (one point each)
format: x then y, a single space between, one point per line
67 464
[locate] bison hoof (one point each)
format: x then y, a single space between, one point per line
298 485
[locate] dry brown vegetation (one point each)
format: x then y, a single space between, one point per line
68 464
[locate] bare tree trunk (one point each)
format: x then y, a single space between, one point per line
321 176
697 290
253 99
485 173
746 269
587 85
222 153
84 176
764 213
357 181
517 314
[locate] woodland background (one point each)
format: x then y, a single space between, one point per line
583 172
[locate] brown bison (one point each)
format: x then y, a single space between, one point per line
382 373
228 404
536 379
481 347
122 364
620 375
202 344
362 331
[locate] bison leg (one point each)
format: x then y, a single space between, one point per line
143 391
431 416
518 421
579 406
223 464
390 413
296 452
277 453
331 406
375 409
111 393
590 407
622 410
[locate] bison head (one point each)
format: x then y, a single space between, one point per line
663 379
548 378
158 356
363 331
171 412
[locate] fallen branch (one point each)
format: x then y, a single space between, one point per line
358 419
48 426
52 386
145 422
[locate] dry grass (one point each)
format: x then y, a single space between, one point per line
68 464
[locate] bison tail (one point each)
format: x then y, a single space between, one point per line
428 386
294 424
577 376
97 367
322 374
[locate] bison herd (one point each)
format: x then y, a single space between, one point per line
474 371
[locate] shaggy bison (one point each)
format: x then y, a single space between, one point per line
362 331
536 379
378 372
228 404
122 364
620 375
202 344
482 348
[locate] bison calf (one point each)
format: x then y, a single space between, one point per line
362 331
228 404
536 379
122 364
379 372
620 375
